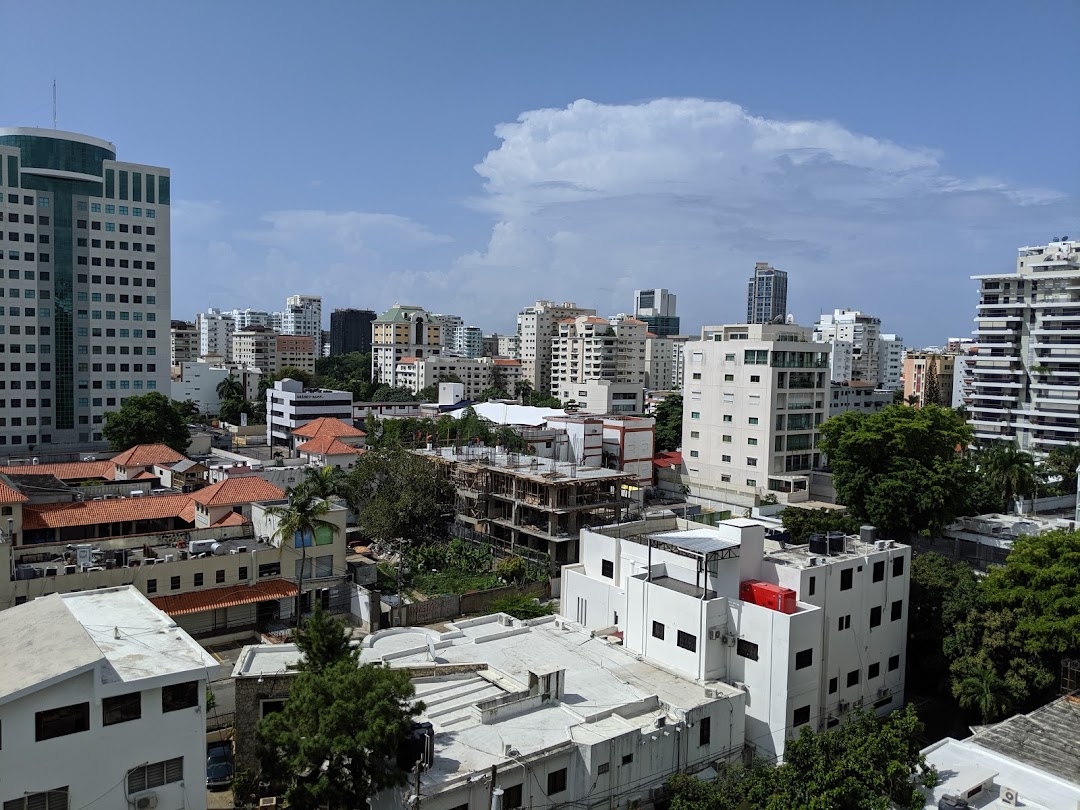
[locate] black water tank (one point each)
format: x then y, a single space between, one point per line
415 746
818 544
837 543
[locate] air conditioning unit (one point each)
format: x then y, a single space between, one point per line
710 692
560 624
715 633
843 705
268 801
881 545
739 685
1010 796
882 691
144 801
655 793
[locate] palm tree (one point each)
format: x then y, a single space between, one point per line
1009 469
323 482
298 521
230 388
985 692
912 400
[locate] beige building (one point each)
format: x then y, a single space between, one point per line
754 397
183 343
476 374
917 366
402 331
587 348
537 326
270 352
295 351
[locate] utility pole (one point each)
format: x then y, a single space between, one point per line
491 789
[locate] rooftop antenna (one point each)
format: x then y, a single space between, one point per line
54 103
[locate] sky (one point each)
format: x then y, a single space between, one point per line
472 157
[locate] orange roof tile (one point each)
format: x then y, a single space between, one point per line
634 321
499 361
187 514
231 519
65 471
328 446
327 426
143 475
230 596
596 320
407 360
237 490
90 513
143 455
10 494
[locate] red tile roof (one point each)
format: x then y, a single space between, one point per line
66 471
90 513
668 458
143 455
232 519
327 426
10 494
499 361
143 475
232 491
328 446
230 596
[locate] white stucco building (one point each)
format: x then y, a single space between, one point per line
102 705
753 398
302 316
288 406
807 634
587 349
537 326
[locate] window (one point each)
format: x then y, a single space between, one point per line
898 566
55 799
511 798
180 696
695 434
155 774
243 573
219 577
853 678
834 684
270 570
657 630
894 662
746 649
556 782
198 580
873 671
875 616
603 768
627 759
751 482
695 415
61 722
751 441
121 709
607 569
725 459
151 586
844 622
846 578
801 716
879 571
727 417
804 658
726 437
897 609
687 641
729 378
813 585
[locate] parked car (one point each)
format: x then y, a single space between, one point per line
219 752
219 776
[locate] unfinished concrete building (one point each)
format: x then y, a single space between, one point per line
524 503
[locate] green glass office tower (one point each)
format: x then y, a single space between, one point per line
84 287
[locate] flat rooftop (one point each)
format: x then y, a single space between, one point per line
544 470
800 556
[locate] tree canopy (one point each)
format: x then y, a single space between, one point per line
901 469
801 523
943 594
1063 462
862 765
335 742
668 416
150 418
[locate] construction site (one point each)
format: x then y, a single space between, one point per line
524 503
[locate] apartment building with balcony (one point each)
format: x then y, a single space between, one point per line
917 371
589 349
808 633
537 327
1026 368
183 343
102 704
476 374
861 353
754 397
402 331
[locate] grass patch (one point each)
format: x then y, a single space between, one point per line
443 583
521 606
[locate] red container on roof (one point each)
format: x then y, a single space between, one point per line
768 595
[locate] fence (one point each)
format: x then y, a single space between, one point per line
500 548
978 555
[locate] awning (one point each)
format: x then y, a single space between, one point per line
214 598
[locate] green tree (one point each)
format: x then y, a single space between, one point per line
323 640
298 522
901 469
147 419
865 764
931 392
323 483
1062 462
1008 469
334 744
801 523
943 594
985 692
230 388
669 417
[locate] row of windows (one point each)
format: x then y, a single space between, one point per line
110 315
31 439
95 331
13 256
96 350
18 348
83 278
27 275
847 575
873 671
27 219
198 580
896 612
27 236
686 641
123 210
95 225
65 720
111 298
111 385
136 367
28 312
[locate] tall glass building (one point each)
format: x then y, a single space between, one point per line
84 293
766 295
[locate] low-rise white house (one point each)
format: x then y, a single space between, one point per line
102 705
808 634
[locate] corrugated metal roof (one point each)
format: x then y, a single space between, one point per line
696 541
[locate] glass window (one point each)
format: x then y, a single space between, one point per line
804 659
121 709
60 722
180 696
687 641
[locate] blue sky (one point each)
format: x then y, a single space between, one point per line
471 157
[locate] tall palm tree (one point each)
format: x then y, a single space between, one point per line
298 522
230 388
323 482
983 691
1009 469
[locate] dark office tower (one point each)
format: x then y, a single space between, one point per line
350 331
766 295
657 308
86 258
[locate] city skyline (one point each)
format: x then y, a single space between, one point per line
642 157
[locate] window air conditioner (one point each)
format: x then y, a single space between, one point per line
145 801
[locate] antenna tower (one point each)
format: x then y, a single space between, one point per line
54 103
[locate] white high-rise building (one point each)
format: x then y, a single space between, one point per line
766 294
302 316
891 363
87 299
215 333
589 348
662 359
537 326
245 318
753 398
1026 370
856 355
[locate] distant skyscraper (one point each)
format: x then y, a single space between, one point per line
657 308
350 331
92 271
766 295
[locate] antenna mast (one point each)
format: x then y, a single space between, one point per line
54 103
